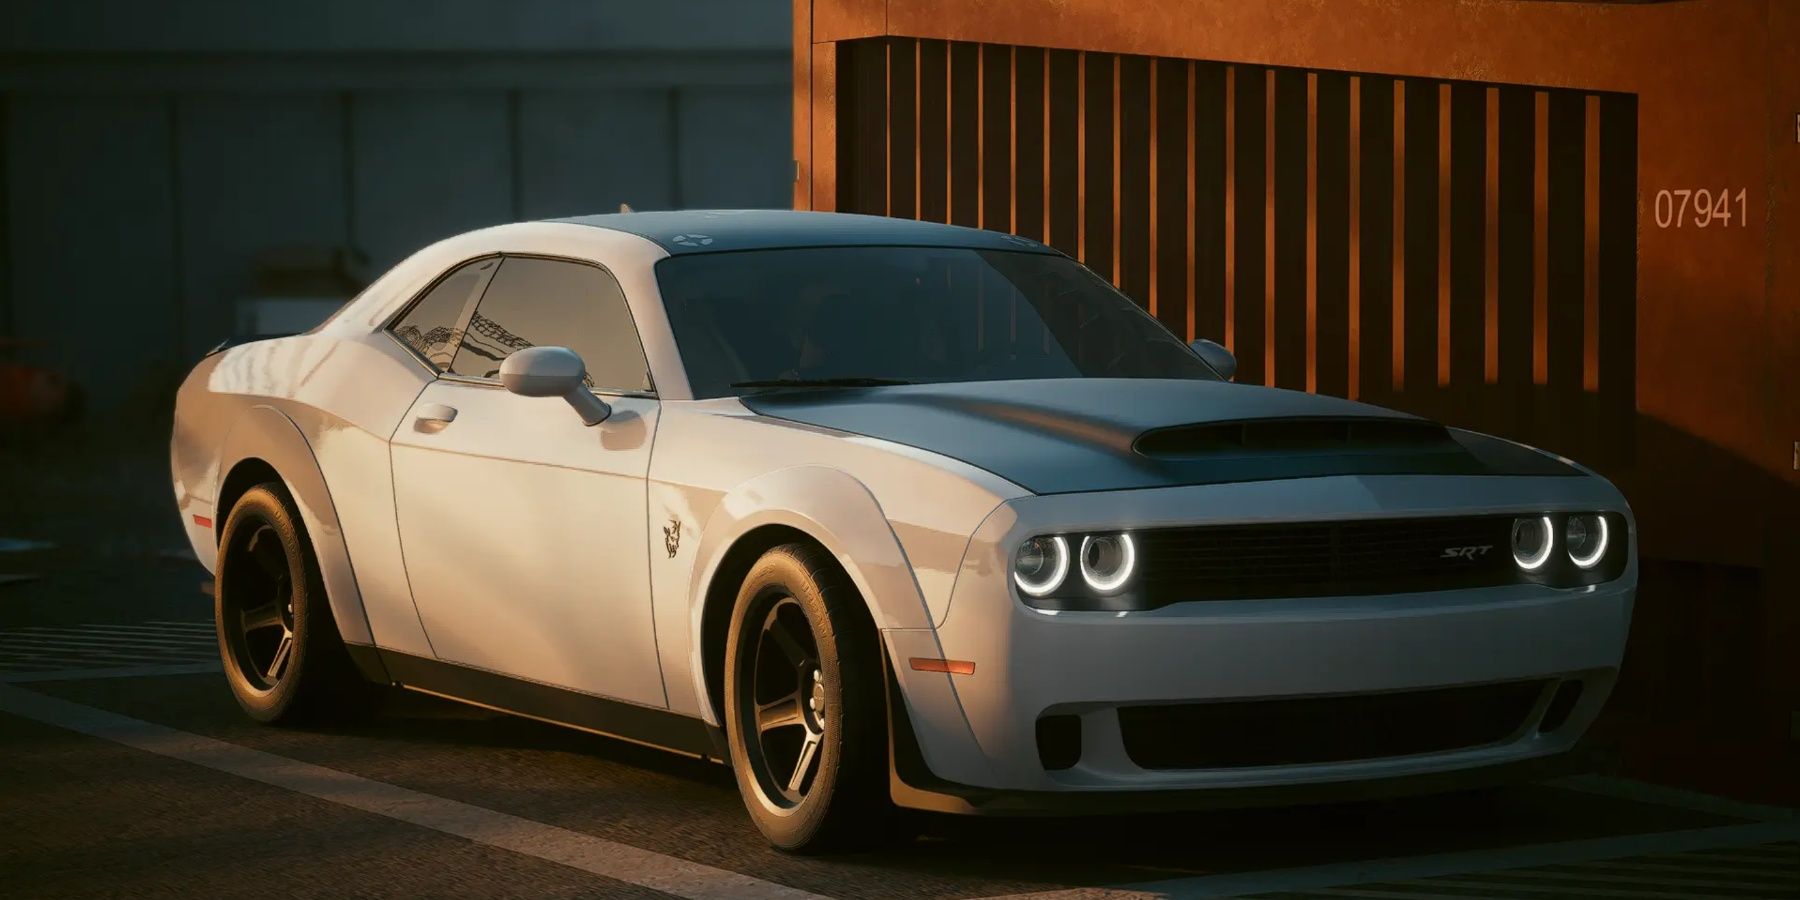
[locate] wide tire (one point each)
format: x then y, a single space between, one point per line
805 710
280 647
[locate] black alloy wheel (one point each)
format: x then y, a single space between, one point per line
805 706
257 605
786 702
280 647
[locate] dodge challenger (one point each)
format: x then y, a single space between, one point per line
886 516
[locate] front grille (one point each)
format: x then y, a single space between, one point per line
1238 734
1324 559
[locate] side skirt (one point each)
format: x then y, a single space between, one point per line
630 722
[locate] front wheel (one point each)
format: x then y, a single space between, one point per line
805 713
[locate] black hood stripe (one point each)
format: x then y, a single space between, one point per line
1078 435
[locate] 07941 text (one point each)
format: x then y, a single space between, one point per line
1707 208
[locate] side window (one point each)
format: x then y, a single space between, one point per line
431 326
546 302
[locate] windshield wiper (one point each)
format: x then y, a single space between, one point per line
819 382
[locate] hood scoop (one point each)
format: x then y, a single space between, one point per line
1302 436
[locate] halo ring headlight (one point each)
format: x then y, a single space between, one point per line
1585 530
1530 557
1107 561
1041 564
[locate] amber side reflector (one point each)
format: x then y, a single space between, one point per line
951 666
203 521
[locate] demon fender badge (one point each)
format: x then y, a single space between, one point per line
1469 553
672 536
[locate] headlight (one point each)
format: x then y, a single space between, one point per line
1532 539
1107 561
1041 565
1586 539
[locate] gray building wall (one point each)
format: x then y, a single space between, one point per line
148 152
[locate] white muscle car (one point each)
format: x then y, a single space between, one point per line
885 515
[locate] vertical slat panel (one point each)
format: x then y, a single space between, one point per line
1097 179
1468 236
996 138
1172 212
821 152
1376 233
1564 288
862 115
1133 176
1590 240
965 134
934 139
902 136
1419 294
1065 151
1517 144
1442 343
1249 218
1028 142
1332 217
1493 225
1290 210
1490 223
1540 239
1208 104
1618 273
1268 237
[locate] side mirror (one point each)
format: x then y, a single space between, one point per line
553 372
1216 356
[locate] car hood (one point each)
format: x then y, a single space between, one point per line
1097 434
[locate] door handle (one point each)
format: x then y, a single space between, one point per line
433 417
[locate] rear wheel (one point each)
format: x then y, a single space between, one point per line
805 710
281 651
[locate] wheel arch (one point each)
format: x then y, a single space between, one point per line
813 504
245 474
263 443
721 596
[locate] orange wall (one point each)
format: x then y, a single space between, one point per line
1718 308
1717 89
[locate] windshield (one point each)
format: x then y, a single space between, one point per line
906 315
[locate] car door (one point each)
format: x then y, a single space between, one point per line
524 531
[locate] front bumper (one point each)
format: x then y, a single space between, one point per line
977 735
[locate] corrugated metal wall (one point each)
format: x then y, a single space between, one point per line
148 158
1459 249
134 219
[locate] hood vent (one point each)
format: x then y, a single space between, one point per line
1293 436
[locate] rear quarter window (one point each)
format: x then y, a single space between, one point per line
433 325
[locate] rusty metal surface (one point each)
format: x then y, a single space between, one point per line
1716 336
1356 235
1700 71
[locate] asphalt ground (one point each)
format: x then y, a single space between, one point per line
127 770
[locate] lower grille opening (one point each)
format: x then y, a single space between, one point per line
1238 734
1059 741
1567 695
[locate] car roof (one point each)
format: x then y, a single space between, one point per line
723 230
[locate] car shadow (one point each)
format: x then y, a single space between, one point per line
406 716
1090 850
